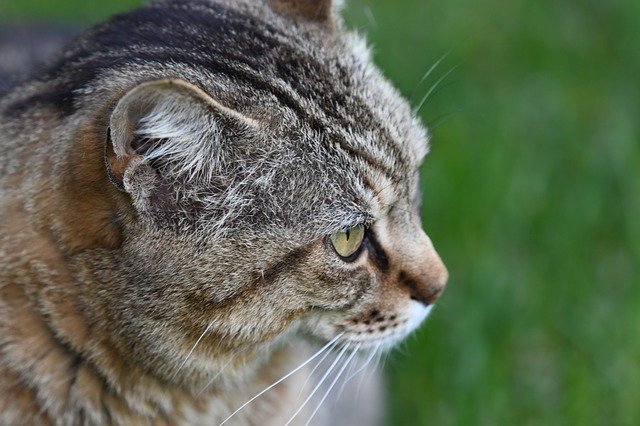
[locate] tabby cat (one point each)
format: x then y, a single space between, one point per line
189 193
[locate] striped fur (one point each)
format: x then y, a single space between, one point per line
169 183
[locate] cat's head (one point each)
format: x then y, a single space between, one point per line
269 180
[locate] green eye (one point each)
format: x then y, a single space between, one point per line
347 243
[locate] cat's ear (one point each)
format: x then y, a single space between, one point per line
169 127
320 11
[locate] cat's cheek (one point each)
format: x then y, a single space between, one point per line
334 288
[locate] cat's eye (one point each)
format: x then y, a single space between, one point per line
347 242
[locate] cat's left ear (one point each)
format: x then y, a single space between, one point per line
173 127
320 11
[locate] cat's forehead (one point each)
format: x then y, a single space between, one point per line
344 144
328 83
353 143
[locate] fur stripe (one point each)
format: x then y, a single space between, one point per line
377 254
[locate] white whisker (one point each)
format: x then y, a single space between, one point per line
348 373
315 367
432 89
314 356
226 364
427 74
315 389
369 358
206 330
434 66
366 363
384 360
333 383
367 375
370 17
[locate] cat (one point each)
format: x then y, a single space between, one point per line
192 192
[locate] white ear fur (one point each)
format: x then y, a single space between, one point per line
172 122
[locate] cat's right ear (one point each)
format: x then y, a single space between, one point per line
168 129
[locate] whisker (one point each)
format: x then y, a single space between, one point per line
286 376
429 71
370 17
315 367
417 109
206 330
226 364
366 363
333 383
348 375
437 122
367 375
386 357
315 389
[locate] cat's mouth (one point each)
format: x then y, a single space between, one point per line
377 329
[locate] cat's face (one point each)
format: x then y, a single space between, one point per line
269 204
387 288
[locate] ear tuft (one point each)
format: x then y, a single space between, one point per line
310 10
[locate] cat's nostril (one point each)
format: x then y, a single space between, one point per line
428 299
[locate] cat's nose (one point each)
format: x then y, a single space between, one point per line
423 273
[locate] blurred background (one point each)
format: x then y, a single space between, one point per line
531 195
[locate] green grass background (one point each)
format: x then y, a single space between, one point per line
532 196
